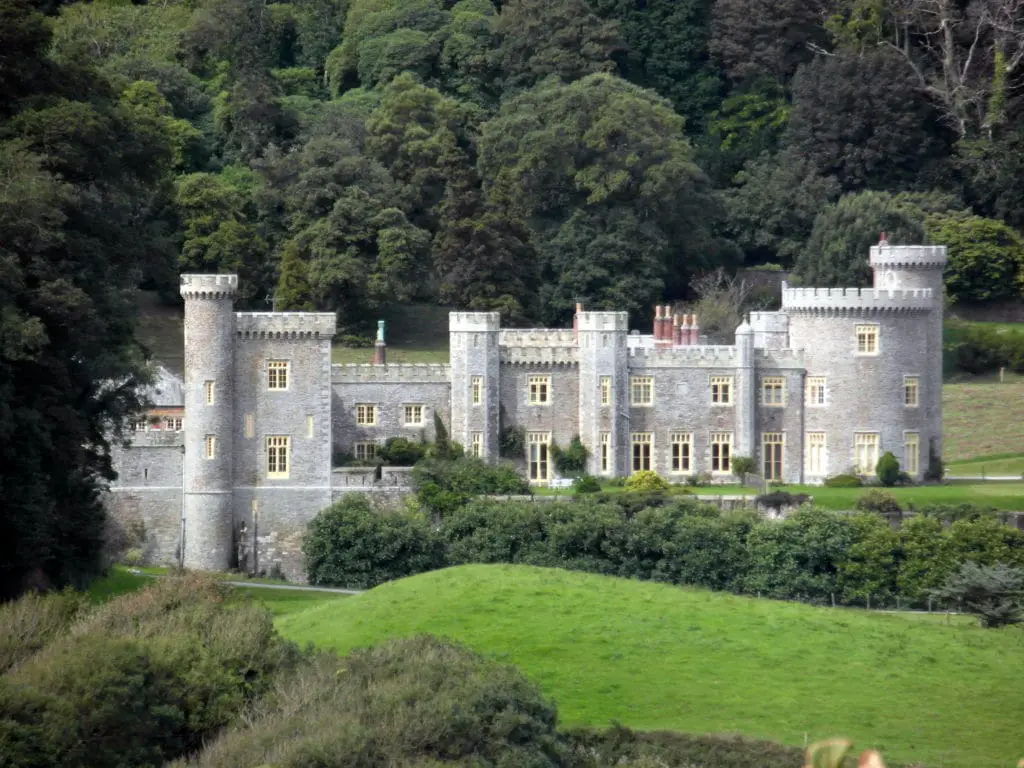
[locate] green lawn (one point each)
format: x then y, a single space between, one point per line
996 465
416 333
1007 496
982 416
652 656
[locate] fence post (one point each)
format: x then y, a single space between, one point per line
929 605
898 603
833 596
869 601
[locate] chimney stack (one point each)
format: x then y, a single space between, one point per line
657 324
694 330
576 323
380 349
677 331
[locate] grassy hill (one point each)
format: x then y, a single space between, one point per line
653 656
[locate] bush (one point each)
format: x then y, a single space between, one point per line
778 499
742 466
572 461
350 544
513 443
978 349
876 500
416 701
30 622
888 469
843 481
995 593
444 485
646 480
141 679
400 452
586 484
985 256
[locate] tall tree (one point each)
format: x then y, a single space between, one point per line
74 229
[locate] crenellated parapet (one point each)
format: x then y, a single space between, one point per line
209 286
538 355
602 321
285 325
473 322
412 373
921 256
857 300
537 337
699 356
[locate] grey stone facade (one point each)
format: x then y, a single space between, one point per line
835 377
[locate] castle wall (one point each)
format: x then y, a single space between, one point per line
864 392
389 387
560 417
789 420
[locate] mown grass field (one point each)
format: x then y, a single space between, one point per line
653 656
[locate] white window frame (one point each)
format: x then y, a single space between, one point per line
773 391
641 391
538 390
279 375
817 392
912 453
872 339
173 423
722 463
210 391
642 460
606 391
681 460
721 390
476 445
417 412
310 427
816 447
210 446
866 446
366 414
538 456
367 448
911 385
605 454
249 425
769 442
278 452
476 390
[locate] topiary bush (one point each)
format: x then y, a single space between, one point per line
888 469
843 481
350 544
877 500
646 480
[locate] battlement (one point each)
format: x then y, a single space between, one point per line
779 358
419 373
209 286
285 325
924 256
602 321
697 356
540 355
537 337
856 300
473 321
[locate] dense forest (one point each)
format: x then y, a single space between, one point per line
516 155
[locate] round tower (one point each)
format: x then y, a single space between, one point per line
899 267
209 420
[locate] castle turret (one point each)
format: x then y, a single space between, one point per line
603 394
209 420
476 372
745 389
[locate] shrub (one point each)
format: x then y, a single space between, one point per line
513 443
572 461
141 679
985 256
646 480
877 500
742 466
444 485
415 701
400 452
33 620
778 499
350 544
995 593
888 469
586 484
843 481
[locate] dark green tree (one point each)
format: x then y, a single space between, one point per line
995 593
75 227
986 257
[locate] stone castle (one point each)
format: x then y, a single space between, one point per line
230 465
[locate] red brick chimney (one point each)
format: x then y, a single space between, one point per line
380 348
694 330
657 323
